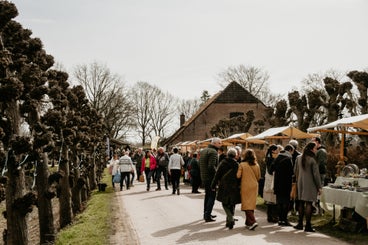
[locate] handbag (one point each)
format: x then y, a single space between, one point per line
117 177
293 192
110 169
141 178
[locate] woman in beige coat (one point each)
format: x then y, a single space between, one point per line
250 173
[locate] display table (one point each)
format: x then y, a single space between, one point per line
347 198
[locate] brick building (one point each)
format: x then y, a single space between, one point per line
233 101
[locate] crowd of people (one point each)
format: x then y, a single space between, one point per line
233 177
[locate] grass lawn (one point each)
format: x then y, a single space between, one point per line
93 225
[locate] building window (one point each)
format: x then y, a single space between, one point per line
236 114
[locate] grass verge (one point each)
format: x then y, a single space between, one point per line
92 226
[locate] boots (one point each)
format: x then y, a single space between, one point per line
308 228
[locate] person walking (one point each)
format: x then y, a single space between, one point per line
249 173
126 168
228 185
308 183
114 166
195 173
208 162
134 170
283 174
176 162
293 196
137 159
162 160
268 194
148 166
321 158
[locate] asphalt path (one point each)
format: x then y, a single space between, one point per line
159 217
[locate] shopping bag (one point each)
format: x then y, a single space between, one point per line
141 178
294 192
117 177
110 168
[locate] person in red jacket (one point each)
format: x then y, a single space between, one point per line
148 166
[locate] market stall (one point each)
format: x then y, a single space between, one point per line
351 190
287 132
241 138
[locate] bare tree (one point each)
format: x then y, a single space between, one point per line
162 111
108 96
143 94
253 79
189 107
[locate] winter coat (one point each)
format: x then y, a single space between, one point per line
208 162
194 168
321 158
228 183
308 179
152 163
283 173
250 175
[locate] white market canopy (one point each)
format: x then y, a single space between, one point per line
286 132
241 138
355 121
342 126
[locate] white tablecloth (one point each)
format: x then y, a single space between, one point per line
345 198
361 181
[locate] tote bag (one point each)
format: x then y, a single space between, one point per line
117 177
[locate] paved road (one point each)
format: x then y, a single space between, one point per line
158 217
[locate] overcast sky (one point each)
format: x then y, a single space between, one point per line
182 45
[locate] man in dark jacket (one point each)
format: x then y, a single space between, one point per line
283 172
208 162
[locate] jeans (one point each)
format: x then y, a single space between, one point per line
209 200
160 170
175 179
125 175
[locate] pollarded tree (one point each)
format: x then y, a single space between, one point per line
226 127
22 88
360 79
56 119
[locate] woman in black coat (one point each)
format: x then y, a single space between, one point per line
228 185
195 175
283 172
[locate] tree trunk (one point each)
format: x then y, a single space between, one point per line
66 214
76 193
17 228
45 214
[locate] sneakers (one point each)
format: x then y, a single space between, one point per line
252 227
158 189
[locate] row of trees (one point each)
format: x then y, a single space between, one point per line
42 119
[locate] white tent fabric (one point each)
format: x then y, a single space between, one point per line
282 132
360 121
241 138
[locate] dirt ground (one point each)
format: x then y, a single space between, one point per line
33 227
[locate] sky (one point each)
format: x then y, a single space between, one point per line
182 45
